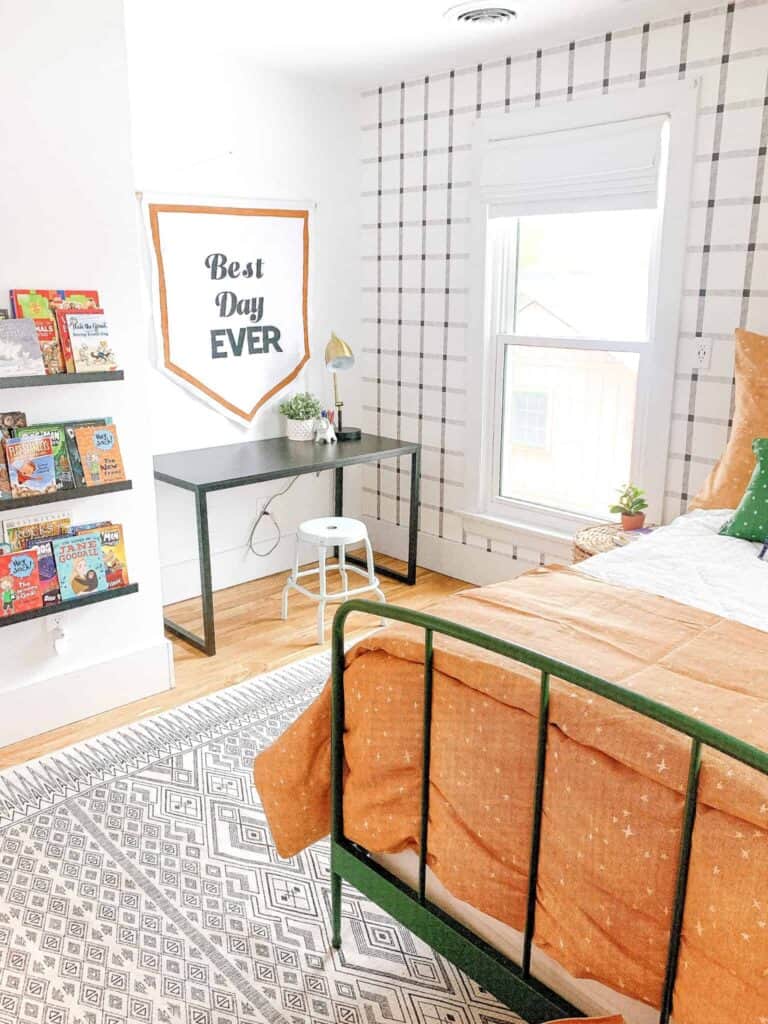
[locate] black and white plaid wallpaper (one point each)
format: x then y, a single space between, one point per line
416 186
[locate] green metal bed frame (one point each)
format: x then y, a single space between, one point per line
511 983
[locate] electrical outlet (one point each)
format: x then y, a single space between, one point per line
702 357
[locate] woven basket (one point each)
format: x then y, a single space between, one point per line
595 539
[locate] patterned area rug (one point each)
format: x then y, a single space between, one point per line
138 882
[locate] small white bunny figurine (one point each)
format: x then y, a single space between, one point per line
324 432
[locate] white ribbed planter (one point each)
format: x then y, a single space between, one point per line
301 430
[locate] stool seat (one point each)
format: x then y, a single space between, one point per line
330 531
324 533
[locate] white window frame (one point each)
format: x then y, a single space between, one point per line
485 511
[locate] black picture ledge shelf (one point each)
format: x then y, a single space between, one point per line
65 606
48 380
64 495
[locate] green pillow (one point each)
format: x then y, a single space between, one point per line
750 520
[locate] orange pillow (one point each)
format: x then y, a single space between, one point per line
726 484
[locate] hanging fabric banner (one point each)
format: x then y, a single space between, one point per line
229 286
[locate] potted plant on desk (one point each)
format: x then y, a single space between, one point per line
631 507
301 411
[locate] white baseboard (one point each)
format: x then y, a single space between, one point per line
463 561
36 707
231 567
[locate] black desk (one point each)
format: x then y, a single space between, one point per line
236 465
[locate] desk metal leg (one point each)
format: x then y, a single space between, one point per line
408 577
207 642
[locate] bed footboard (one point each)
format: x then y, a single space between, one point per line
512 983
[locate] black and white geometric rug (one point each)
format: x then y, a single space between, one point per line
138 882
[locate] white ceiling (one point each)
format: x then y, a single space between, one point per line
359 42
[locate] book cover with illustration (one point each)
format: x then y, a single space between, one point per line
64 338
41 305
23 531
80 565
89 338
9 421
74 453
20 354
19 583
113 550
100 456
31 468
46 570
58 438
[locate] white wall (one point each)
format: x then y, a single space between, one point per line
68 220
213 126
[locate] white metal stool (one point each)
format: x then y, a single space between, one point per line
330 532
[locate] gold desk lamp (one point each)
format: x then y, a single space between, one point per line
339 356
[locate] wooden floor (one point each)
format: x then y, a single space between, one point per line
250 637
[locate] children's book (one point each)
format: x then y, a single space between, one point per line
64 338
113 550
100 456
9 421
19 583
74 453
31 468
80 565
20 354
23 531
41 306
46 568
49 346
64 479
89 338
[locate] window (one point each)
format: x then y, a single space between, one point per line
579 221
577 278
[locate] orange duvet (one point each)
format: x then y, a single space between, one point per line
614 782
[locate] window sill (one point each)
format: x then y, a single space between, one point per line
554 542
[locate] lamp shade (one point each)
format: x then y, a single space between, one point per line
338 354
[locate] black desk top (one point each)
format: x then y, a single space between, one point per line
234 465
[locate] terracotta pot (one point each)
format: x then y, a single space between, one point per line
636 522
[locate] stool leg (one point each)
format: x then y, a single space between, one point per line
323 593
291 579
372 576
343 569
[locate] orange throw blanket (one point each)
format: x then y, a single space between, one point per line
614 782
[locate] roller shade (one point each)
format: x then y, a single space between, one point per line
612 166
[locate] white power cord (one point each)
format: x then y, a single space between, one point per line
262 514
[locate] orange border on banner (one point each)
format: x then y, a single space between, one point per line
154 210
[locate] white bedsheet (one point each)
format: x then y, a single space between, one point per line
689 562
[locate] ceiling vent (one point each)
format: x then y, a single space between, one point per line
480 14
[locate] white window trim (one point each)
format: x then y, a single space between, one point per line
656 376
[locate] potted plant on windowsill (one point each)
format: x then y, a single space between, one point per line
301 411
631 507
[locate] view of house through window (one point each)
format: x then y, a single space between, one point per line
573 323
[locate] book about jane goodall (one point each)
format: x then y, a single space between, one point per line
80 565
31 467
19 583
89 339
100 456
20 354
